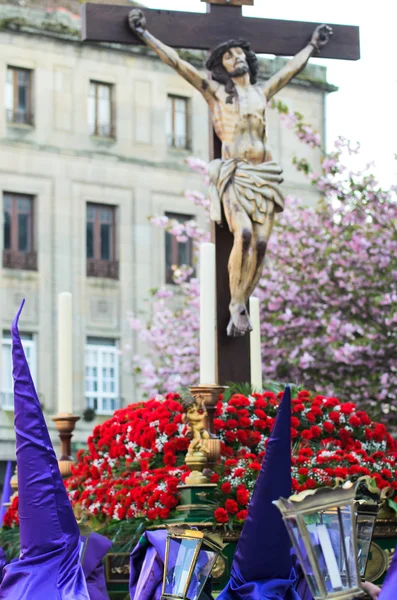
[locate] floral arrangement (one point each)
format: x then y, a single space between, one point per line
134 461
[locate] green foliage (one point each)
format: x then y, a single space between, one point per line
9 541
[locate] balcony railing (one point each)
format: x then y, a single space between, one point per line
20 117
180 142
25 261
109 269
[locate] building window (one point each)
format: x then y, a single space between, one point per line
100 112
18 98
178 123
18 251
177 253
101 241
102 375
7 383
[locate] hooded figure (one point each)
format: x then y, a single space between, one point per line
49 562
96 547
262 565
7 492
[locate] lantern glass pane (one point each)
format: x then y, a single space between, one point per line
301 552
202 569
331 535
365 527
180 559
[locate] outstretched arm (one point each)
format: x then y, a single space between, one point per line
320 37
170 57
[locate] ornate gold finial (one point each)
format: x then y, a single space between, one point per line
197 454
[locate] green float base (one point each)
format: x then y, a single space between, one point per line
197 504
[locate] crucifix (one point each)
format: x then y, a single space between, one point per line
244 178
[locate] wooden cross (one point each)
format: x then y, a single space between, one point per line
223 21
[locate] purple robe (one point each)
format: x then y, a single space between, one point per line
49 562
94 572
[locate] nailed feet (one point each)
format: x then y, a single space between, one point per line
239 323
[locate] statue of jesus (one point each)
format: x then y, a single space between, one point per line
246 179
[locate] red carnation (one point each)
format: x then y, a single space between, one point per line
170 429
328 427
214 478
255 466
341 472
354 421
260 413
243 496
303 471
242 436
244 422
240 472
347 408
365 420
315 431
242 515
334 416
221 515
226 487
230 436
310 417
231 506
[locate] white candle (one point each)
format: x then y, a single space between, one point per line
207 314
255 346
65 354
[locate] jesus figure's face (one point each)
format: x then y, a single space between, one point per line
235 62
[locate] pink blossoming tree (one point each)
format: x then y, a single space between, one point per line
328 293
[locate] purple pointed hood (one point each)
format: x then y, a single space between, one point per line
7 491
262 565
49 562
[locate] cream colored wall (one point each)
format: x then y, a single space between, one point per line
63 167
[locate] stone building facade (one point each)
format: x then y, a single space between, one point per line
92 141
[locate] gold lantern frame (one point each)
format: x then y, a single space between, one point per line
211 541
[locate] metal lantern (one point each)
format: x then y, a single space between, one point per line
190 556
322 527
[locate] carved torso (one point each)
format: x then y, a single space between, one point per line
240 123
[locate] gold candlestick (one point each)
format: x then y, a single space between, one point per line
65 424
